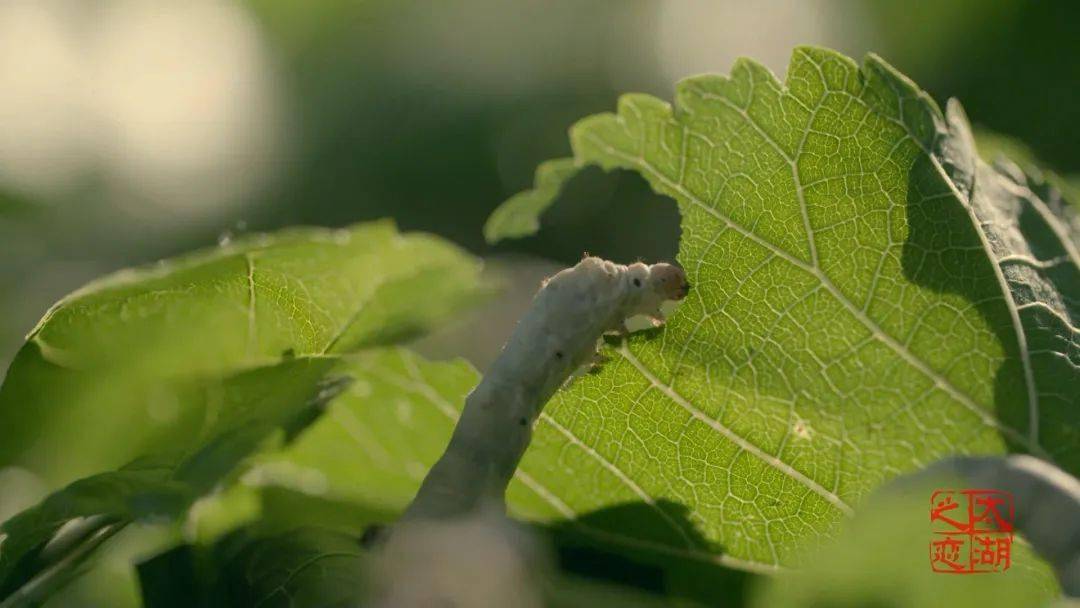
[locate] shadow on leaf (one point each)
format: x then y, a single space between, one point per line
653 547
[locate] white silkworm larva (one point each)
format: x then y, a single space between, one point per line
558 333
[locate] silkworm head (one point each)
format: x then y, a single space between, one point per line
668 281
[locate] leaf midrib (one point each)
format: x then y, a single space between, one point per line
773 461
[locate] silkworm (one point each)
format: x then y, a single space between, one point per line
559 333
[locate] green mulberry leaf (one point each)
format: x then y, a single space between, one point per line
848 322
243 413
100 379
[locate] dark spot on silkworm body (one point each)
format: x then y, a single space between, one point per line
637 282
558 354
524 421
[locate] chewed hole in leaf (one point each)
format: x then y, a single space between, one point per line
615 216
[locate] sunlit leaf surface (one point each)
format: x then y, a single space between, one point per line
848 321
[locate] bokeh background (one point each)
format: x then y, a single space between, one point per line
132 130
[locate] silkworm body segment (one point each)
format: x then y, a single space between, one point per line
558 333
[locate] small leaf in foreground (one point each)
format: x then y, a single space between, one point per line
882 558
247 410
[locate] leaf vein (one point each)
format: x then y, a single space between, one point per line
770 460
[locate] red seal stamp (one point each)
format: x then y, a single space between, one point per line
972 531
